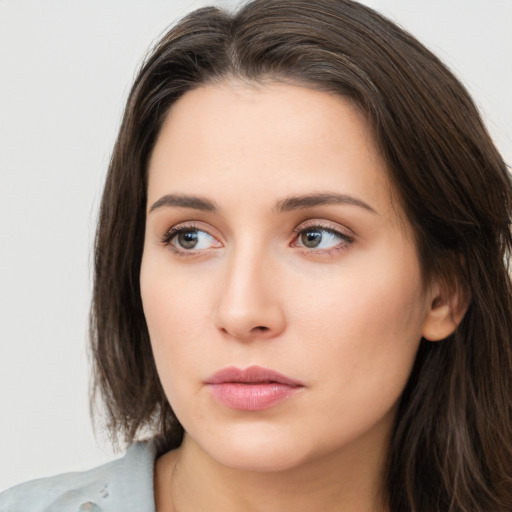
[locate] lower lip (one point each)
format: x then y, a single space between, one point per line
251 397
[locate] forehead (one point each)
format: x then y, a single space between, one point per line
264 142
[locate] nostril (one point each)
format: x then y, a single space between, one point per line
260 328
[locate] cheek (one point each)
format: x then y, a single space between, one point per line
176 307
379 291
364 328
176 313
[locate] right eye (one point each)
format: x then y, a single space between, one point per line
189 239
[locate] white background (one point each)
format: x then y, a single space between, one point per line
65 70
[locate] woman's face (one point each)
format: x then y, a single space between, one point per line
273 244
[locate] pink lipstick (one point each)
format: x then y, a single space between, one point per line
251 389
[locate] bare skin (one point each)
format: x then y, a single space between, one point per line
273 239
182 487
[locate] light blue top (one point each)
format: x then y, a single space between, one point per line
123 485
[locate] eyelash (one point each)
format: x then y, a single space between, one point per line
346 240
174 232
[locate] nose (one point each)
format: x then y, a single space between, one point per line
249 306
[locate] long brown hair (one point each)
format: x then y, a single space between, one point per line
451 448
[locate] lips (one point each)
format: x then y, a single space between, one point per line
251 389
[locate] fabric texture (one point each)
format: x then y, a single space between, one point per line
123 485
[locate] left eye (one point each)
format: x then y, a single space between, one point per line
320 238
191 239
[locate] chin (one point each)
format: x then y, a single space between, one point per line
255 459
255 449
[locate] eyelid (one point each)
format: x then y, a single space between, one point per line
173 231
347 236
324 224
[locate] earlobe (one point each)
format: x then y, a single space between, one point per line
447 308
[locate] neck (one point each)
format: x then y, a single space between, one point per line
189 480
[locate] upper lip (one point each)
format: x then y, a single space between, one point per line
251 375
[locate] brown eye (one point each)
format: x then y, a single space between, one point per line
311 238
187 239
320 238
190 239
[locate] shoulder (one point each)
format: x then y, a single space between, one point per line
124 484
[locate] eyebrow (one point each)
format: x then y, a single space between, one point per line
184 201
311 200
287 204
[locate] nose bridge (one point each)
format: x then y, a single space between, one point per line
248 305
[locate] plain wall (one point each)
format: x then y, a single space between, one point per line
65 71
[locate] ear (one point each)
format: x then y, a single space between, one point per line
448 305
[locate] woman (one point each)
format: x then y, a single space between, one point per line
301 283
